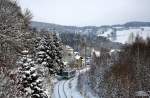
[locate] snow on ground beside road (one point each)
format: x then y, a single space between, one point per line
73 91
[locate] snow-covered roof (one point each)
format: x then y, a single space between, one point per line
76 53
77 57
141 93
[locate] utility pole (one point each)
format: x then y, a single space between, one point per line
139 67
85 64
85 50
138 64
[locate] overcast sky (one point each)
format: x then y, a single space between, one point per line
88 12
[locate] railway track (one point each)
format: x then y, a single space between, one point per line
69 84
64 89
61 88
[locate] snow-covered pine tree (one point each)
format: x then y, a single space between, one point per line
30 83
48 53
43 51
58 52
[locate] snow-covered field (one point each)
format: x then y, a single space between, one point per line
122 36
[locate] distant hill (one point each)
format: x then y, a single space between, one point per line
51 27
137 24
86 29
133 24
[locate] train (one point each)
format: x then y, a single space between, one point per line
66 74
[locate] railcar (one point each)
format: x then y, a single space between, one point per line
67 74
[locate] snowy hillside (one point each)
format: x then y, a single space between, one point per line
121 35
86 29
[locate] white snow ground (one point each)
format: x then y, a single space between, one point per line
122 36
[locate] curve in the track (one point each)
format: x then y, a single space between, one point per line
64 89
59 90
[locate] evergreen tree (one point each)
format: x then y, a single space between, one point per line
58 52
30 82
48 53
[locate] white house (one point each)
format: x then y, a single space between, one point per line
68 55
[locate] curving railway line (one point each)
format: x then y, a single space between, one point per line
67 88
64 89
61 89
